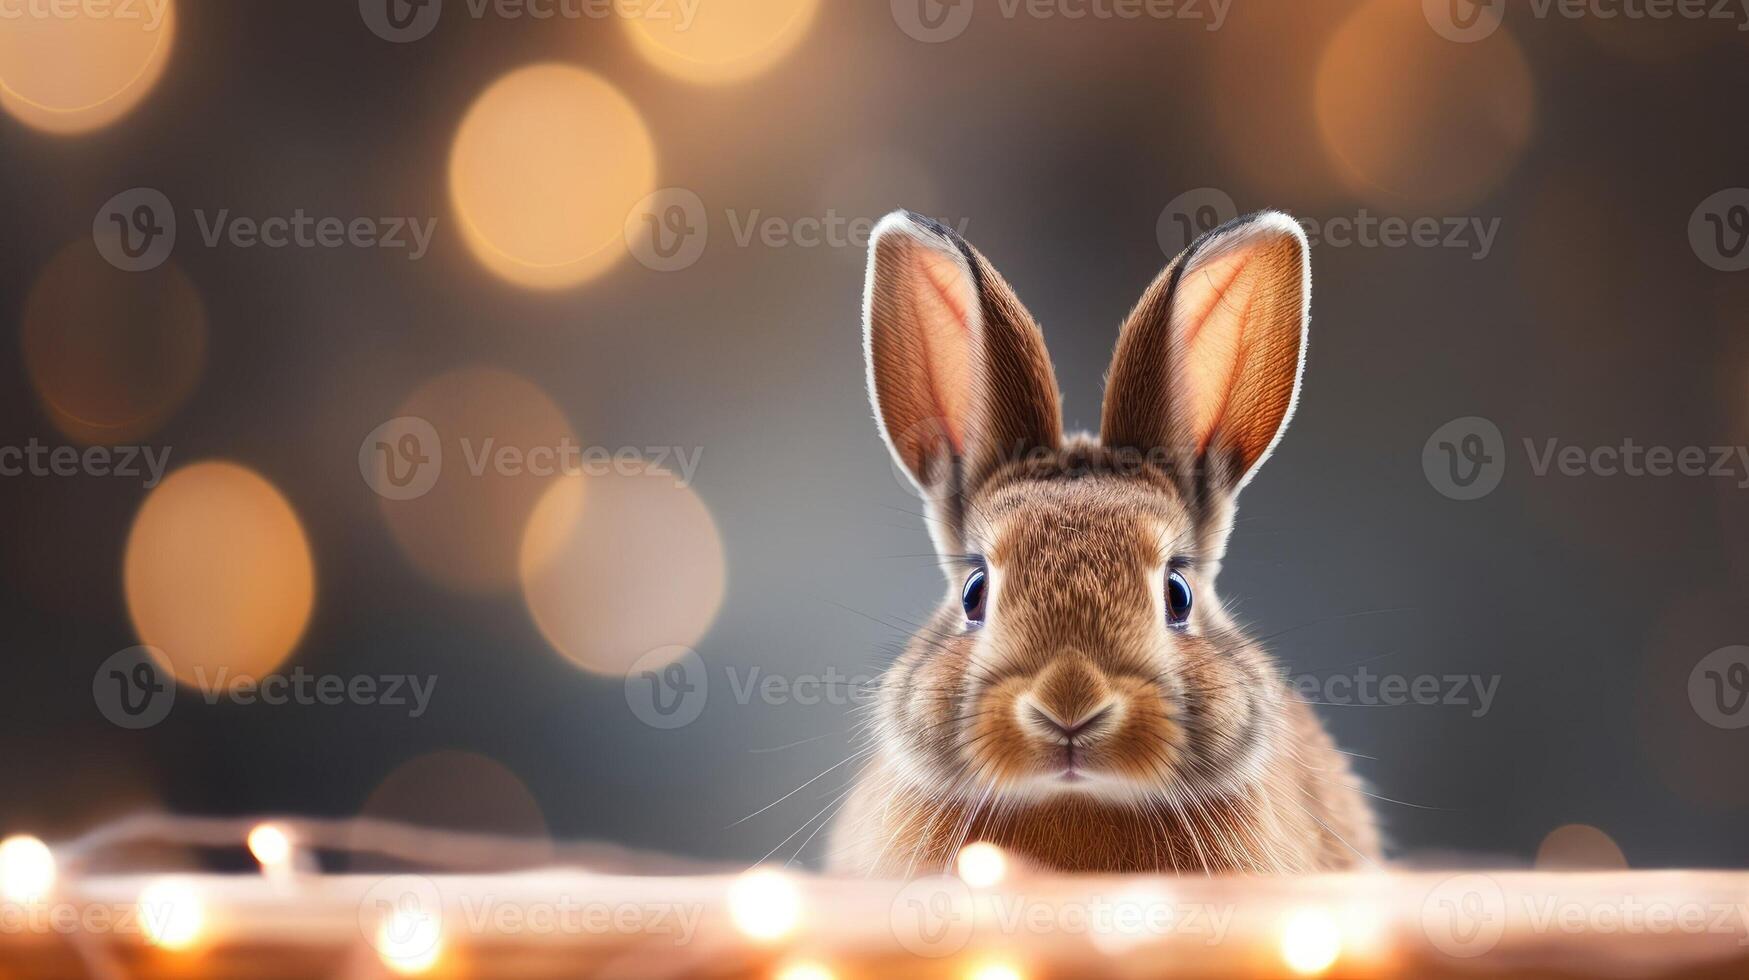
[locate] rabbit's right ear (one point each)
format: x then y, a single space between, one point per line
957 368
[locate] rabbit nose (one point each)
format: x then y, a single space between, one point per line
1069 703
1086 728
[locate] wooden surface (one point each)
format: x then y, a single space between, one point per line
1522 924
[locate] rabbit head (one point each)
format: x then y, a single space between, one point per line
1082 647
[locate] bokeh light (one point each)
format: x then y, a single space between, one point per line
112 354
272 848
27 869
723 41
805 971
995 971
619 563
1579 847
1263 63
75 67
982 865
409 941
765 904
171 914
465 531
458 791
218 574
1311 941
547 163
1412 119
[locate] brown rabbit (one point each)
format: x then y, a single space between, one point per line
1082 698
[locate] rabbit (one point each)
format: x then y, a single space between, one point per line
1081 698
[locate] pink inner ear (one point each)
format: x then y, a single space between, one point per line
941 301
1211 317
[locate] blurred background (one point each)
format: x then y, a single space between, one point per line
310 305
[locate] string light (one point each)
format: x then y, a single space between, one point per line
27 869
272 847
410 941
765 904
1310 942
171 914
982 865
805 971
995 971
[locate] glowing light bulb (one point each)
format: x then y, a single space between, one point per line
805 971
1310 942
27 869
272 847
765 904
982 865
410 941
995 971
171 914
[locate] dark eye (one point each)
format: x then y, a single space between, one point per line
1177 599
972 597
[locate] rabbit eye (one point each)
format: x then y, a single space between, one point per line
1177 599
972 597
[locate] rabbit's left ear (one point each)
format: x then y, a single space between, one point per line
1207 369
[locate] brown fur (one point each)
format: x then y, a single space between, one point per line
1188 752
